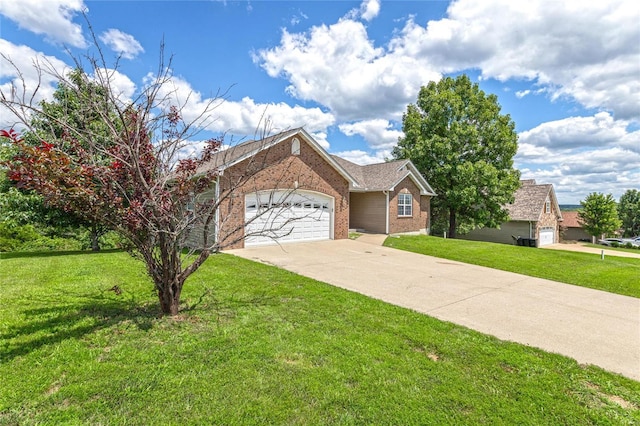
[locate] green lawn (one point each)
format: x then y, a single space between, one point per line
259 345
613 274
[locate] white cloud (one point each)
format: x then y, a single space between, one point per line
119 84
361 157
19 71
52 18
378 133
588 51
580 155
339 67
597 131
368 10
121 43
244 117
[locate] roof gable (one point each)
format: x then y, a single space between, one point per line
224 159
385 176
530 199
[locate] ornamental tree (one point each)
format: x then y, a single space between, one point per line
599 215
462 144
119 163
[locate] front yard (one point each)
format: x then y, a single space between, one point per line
613 274
259 345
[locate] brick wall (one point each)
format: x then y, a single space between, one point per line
277 168
420 209
548 220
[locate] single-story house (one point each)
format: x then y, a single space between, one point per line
534 214
571 228
287 188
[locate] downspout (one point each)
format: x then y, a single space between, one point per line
217 215
386 210
530 230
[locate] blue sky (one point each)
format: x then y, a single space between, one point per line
567 72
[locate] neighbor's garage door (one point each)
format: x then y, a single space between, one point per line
547 236
285 216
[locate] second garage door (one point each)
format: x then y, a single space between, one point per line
285 216
547 236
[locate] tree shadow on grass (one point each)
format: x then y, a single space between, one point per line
52 253
54 322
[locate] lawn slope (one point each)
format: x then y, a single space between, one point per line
258 345
613 274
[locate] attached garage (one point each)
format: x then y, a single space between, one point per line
547 236
273 217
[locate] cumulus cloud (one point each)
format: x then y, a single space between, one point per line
368 10
120 84
339 67
587 51
121 43
27 75
378 133
362 157
580 155
598 131
244 117
52 18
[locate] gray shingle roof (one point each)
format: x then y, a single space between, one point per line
529 200
381 176
231 155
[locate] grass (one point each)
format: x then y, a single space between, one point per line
259 345
613 274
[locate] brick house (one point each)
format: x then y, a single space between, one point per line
389 198
534 213
287 188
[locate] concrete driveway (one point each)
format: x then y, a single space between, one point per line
591 326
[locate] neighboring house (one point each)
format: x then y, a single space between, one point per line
534 214
287 188
571 228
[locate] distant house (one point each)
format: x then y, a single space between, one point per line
571 229
534 214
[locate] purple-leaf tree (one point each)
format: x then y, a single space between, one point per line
120 163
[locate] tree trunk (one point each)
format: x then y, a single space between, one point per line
170 299
452 223
95 244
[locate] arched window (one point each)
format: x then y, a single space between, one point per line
295 146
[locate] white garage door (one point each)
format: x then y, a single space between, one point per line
547 236
285 216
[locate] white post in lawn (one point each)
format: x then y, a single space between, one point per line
602 254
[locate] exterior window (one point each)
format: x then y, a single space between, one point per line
547 206
295 146
405 206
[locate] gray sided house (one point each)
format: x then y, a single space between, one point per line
534 214
571 228
287 188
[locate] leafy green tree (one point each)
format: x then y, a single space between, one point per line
629 212
599 214
21 207
462 144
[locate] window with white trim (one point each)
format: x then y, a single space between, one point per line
547 206
405 205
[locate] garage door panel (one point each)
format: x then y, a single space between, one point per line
287 216
547 236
